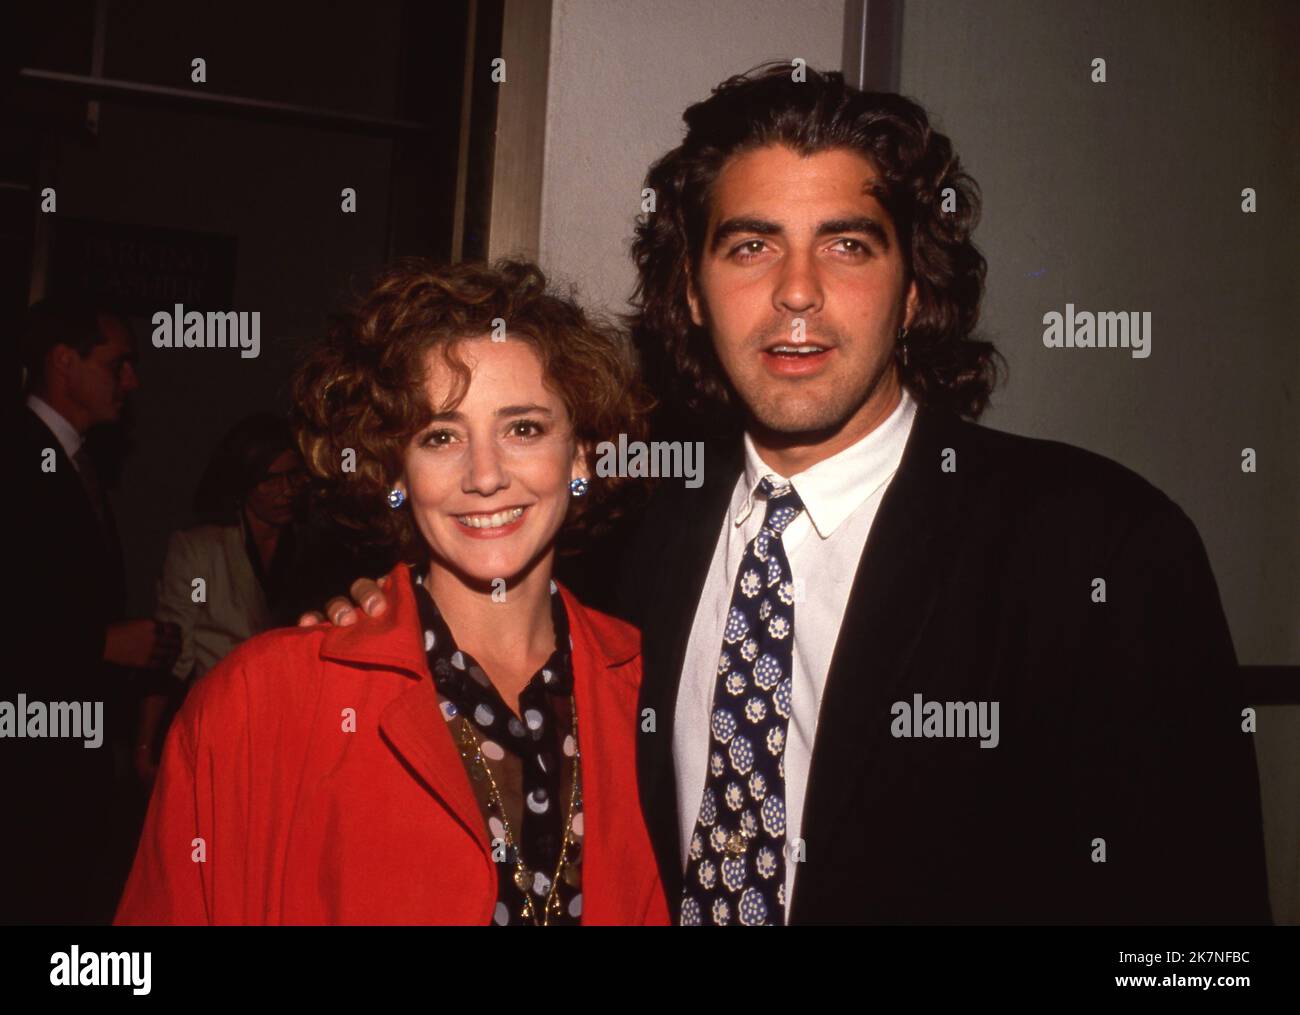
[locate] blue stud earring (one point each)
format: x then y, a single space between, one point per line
578 487
396 498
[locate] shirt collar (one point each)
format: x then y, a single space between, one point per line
395 639
837 486
64 432
455 671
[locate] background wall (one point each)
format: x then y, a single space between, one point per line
622 72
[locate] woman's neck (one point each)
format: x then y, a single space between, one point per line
509 631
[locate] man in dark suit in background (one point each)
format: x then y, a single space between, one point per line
900 668
74 641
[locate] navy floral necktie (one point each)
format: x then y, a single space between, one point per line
735 871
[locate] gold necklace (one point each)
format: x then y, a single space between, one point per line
471 749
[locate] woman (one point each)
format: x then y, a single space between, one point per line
468 756
248 499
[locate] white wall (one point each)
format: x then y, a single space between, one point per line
622 73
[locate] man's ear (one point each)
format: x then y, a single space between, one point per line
693 298
60 359
912 299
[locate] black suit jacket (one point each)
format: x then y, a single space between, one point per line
1119 720
58 794
73 567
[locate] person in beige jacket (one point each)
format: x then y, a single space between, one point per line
220 580
227 608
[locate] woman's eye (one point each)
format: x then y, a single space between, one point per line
526 428
439 438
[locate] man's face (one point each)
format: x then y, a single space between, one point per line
488 482
792 239
99 383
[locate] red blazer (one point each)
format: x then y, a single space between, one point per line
304 823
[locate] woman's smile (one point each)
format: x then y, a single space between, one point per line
493 525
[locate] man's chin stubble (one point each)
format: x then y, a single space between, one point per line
778 423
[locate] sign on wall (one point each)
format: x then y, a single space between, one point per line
142 268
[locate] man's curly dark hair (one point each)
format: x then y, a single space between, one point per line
934 205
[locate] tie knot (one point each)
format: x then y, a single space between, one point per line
783 504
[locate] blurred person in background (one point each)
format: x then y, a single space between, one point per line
63 799
227 579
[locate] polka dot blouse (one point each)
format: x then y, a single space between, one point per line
532 760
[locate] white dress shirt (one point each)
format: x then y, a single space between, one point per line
64 432
824 545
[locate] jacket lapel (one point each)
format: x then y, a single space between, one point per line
413 727
411 723
689 534
606 715
241 568
892 597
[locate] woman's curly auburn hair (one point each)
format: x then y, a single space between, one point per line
945 365
363 388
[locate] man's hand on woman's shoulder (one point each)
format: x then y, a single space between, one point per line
366 593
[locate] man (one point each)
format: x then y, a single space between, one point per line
900 668
80 371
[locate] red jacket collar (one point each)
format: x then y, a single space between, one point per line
393 639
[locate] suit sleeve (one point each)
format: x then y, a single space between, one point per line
1166 775
60 625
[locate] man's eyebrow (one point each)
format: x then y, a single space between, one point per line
762 227
742 224
857 224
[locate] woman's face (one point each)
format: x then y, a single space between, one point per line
488 482
274 499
